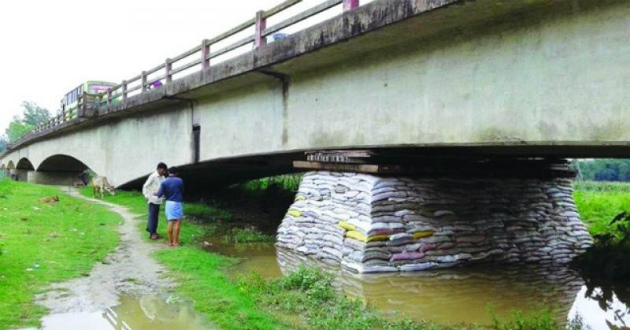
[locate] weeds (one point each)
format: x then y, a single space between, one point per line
607 259
247 235
289 182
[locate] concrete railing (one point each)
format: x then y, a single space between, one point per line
203 55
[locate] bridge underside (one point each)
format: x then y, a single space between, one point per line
450 159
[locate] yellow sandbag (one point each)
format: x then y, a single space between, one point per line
345 225
378 238
356 235
300 198
295 213
422 234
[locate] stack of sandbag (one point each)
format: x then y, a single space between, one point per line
386 224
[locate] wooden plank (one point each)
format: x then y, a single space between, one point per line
302 16
232 47
337 167
280 7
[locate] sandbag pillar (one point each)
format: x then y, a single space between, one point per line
369 223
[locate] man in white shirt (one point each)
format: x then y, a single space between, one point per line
149 190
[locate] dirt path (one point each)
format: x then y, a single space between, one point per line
129 270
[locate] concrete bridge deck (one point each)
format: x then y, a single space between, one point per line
488 77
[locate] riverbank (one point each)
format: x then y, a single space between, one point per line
304 300
46 241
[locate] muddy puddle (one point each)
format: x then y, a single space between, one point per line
455 296
133 313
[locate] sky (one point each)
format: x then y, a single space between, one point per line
50 47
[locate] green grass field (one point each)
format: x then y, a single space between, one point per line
45 243
600 202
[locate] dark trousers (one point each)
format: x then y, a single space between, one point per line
154 213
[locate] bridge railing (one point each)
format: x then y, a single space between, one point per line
253 32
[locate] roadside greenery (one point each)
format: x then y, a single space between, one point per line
46 242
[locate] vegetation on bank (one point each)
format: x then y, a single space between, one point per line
289 183
44 241
604 206
599 202
303 300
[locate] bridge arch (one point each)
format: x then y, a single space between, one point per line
10 165
60 169
25 164
62 163
23 169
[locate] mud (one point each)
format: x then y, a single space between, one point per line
128 271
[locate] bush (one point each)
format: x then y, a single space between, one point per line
609 258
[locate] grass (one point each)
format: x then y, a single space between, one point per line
305 299
203 276
46 243
600 202
289 183
247 235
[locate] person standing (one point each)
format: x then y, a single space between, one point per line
173 190
149 190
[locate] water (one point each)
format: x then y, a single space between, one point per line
148 312
456 296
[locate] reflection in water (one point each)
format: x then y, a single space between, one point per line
148 312
605 307
460 295
457 295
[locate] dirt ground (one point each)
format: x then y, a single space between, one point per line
129 270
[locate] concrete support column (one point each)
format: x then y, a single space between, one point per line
22 175
369 223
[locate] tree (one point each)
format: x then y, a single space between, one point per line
3 143
34 115
17 129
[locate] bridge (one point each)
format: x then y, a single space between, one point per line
484 77
461 94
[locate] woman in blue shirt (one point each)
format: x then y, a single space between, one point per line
173 191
